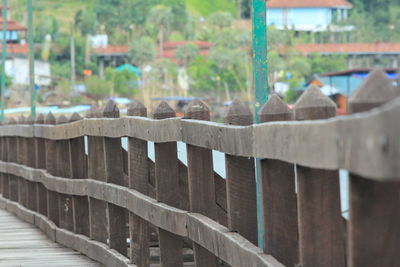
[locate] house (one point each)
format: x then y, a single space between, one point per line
169 49
17 63
342 84
308 15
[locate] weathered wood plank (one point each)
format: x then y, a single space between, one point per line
138 180
96 170
201 183
321 235
373 232
79 171
241 181
279 195
167 190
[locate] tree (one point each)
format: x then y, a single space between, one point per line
221 19
97 88
322 64
123 83
186 53
142 51
162 18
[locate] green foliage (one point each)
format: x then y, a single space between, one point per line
46 26
86 22
123 82
187 53
323 64
299 65
202 75
97 88
221 19
142 51
61 70
207 7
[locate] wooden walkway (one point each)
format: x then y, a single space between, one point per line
22 244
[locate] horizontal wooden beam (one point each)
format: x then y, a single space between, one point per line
365 143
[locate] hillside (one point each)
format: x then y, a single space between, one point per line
64 10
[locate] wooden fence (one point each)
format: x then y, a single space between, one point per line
95 198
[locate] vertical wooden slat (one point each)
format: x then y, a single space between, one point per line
3 156
96 170
30 162
51 167
21 159
320 222
201 182
12 157
138 180
40 163
279 195
167 190
64 170
78 161
373 228
5 189
115 175
241 181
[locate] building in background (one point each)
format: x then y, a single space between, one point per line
309 15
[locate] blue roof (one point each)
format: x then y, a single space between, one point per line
346 85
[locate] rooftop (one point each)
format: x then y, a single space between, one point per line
307 3
17 49
12 25
352 48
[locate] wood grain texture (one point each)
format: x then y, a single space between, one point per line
96 170
373 233
279 195
79 171
117 221
167 190
321 236
65 207
51 167
241 181
138 180
262 141
40 163
201 182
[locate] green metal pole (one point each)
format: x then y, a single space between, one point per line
260 50
3 59
31 60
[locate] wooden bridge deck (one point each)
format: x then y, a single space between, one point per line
22 244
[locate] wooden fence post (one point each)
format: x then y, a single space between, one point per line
167 190
21 159
51 167
3 154
5 189
30 162
118 231
12 157
321 231
78 161
241 181
279 195
96 170
40 163
373 228
64 170
201 182
138 180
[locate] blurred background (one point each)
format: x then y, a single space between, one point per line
89 51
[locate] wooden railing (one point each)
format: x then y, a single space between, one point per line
93 199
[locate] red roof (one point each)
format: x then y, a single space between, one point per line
112 50
12 25
16 49
355 48
308 3
174 45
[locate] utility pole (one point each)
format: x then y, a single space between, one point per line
73 70
31 59
3 59
260 73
